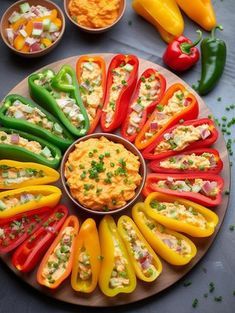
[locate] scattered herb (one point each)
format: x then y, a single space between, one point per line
195 303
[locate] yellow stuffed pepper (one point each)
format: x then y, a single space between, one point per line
29 198
181 214
87 258
117 274
173 247
200 11
163 14
15 174
145 261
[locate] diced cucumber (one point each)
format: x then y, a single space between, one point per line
46 24
24 7
53 28
82 131
49 74
81 117
14 17
37 32
58 129
89 66
5 174
128 67
2 206
46 152
28 109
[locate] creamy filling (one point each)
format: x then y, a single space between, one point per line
84 265
33 115
140 252
12 175
91 88
190 161
178 245
33 146
120 77
58 260
182 136
148 93
180 213
9 202
119 276
16 228
197 185
177 103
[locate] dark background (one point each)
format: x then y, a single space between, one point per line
218 266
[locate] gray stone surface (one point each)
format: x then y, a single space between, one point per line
142 39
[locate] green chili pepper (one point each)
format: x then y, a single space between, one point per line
55 132
213 52
48 89
49 155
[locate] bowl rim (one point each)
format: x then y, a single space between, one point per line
94 30
111 137
35 52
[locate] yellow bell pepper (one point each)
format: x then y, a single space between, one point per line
200 11
163 14
28 198
173 247
181 214
116 274
86 262
145 261
15 174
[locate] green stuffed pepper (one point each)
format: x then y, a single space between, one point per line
20 146
59 94
23 114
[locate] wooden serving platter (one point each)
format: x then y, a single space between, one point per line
170 274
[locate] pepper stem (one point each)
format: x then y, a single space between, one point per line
186 47
220 27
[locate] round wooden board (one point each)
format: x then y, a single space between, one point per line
170 274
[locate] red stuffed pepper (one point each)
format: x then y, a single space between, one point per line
14 230
178 104
182 137
205 189
91 75
26 256
148 93
192 161
121 81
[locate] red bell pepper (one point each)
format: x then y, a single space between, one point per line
203 195
152 152
14 230
183 163
182 53
137 108
115 107
27 255
101 63
164 117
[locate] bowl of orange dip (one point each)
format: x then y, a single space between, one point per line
103 173
95 16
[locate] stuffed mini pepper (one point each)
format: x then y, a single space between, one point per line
121 81
59 94
177 105
148 93
182 137
91 74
